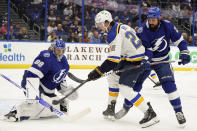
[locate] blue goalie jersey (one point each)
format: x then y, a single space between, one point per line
157 43
49 70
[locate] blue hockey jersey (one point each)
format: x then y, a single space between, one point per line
157 43
49 70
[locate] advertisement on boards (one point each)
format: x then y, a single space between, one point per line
79 55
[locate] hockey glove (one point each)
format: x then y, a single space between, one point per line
145 65
184 57
119 66
95 74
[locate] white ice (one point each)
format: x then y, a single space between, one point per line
94 95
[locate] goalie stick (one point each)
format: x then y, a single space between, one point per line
55 102
49 106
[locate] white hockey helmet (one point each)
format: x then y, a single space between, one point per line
103 16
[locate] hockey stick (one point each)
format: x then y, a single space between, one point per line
74 78
55 102
135 67
156 83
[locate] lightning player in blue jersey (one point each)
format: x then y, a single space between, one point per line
156 35
46 74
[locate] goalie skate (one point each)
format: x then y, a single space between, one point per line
150 117
10 117
109 113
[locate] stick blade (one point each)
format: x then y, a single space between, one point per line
79 115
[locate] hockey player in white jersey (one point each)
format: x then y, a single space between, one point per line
124 46
156 35
46 75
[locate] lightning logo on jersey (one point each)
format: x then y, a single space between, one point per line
58 77
160 44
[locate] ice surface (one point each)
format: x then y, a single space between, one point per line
94 95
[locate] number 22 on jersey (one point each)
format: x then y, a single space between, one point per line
136 42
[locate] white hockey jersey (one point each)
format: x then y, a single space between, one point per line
124 44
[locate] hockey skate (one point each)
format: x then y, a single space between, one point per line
10 117
120 114
181 118
150 117
109 113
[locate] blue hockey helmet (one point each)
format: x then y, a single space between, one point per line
153 12
58 44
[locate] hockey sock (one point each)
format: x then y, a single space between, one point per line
113 94
139 102
137 87
173 96
176 103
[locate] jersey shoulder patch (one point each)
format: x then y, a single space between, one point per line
45 53
140 30
123 27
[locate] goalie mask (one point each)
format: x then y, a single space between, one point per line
58 47
101 18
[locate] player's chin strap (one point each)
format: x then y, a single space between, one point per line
59 57
106 27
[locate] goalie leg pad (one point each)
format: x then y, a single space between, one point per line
31 109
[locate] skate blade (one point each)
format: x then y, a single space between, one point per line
120 115
157 88
110 118
10 119
182 125
150 123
